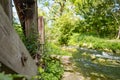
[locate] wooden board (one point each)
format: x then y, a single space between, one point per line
13 53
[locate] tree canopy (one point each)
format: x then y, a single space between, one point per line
92 17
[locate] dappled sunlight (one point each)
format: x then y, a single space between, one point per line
64 39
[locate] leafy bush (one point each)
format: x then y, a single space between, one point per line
19 30
5 77
31 42
65 23
52 69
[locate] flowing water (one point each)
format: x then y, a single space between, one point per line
97 65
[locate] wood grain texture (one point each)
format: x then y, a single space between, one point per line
7 7
13 53
28 15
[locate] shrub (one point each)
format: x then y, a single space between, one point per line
52 69
5 77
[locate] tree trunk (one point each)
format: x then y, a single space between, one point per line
13 53
7 6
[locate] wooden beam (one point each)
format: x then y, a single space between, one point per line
13 53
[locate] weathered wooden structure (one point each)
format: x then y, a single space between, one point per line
7 7
27 12
41 31
13 53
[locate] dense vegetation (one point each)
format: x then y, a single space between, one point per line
79 22
92 24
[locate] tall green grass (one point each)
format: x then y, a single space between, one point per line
55 49
93 42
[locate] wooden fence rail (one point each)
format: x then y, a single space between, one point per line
13 53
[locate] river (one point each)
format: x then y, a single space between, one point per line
97 65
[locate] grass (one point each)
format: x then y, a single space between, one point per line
56 50
96 43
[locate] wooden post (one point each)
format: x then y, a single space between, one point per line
13 53
41 31
31 22
27 12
